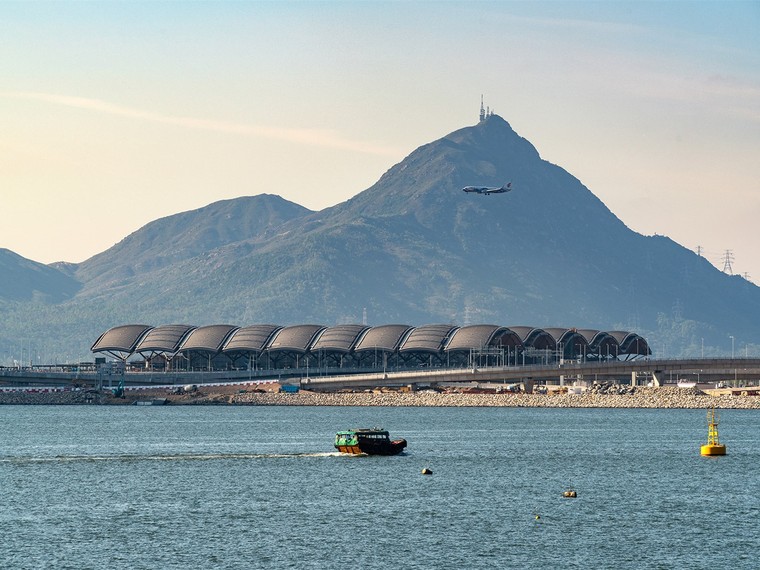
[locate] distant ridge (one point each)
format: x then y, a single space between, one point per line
183 236
27 280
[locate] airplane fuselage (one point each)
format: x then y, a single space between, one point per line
488 189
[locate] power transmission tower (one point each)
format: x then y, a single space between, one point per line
467 315
677 311
728 257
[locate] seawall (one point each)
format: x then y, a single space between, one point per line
665 397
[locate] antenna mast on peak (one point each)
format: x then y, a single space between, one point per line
485 112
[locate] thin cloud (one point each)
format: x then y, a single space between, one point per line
310 137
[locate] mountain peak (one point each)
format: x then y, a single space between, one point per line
24 280
182 236
493 137
488 153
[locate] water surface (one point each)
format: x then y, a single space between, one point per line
261 487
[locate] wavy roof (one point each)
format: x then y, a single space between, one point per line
164 339
341 338
427 338
254 338
482 336
383 337
125 340
209 338
121 339
297 338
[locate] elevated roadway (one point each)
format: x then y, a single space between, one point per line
739 371
735 371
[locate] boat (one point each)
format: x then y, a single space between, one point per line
368 441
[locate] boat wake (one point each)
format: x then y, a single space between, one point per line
162 457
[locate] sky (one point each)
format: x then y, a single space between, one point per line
114 114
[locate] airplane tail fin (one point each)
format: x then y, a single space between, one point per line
507 187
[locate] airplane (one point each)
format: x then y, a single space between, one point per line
487 190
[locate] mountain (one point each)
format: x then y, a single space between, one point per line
27 280
414 248
183 236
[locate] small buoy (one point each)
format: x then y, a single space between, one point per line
713 447
570 494
426 471
538 517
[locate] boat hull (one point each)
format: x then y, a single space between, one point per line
364 448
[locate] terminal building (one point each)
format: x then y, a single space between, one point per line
358 347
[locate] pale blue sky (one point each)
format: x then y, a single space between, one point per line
113 114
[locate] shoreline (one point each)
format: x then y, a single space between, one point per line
664 397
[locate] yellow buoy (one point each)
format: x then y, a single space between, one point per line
713 447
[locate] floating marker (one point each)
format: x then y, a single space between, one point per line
713 447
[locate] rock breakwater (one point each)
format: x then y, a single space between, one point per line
53 398
641 398
599 397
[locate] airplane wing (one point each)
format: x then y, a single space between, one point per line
506 188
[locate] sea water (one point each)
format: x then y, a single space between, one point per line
261 487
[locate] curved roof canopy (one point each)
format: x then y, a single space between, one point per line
600 342
427 338
165 339
250 339
631 343
120 341
383 337
567 337
341 338
208 339
297 338
535 337
482 336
